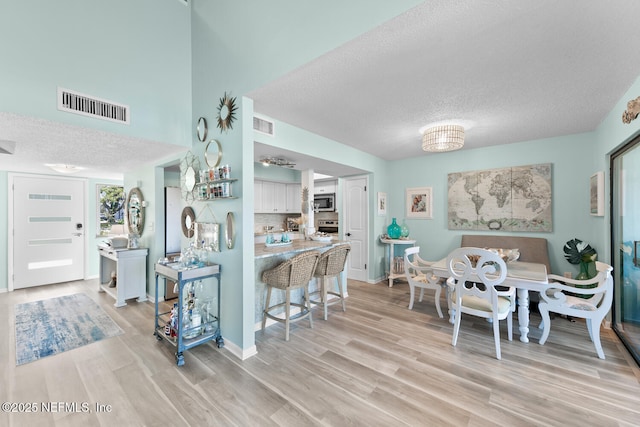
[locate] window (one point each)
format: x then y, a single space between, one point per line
111 201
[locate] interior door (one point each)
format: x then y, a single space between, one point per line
356 227
48 230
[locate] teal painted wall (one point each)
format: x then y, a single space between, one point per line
227 58
132 52
274 173
610 135
573 162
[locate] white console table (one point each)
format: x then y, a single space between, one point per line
392 243
130 266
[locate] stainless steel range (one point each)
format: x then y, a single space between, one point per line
328 226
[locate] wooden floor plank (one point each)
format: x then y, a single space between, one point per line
378 363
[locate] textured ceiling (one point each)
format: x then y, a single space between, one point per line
101 154
511 71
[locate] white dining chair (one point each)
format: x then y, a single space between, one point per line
562 297
475 275
420 275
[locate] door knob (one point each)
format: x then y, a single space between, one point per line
348 234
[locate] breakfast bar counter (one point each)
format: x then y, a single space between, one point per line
267 258
295 247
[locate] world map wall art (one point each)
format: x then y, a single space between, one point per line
507 199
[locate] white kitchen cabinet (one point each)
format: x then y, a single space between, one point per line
274 197
294 198
325 187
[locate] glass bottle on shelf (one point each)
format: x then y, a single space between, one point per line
404 229
394 231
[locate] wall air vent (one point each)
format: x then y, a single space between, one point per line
263 126
87 105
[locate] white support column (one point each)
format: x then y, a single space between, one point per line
307 181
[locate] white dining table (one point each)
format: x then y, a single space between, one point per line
524 276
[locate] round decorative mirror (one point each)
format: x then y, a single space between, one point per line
226 112
213 153
202 129
188 220
189 167
135 211
230 230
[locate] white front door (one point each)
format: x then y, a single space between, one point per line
48 230
356 228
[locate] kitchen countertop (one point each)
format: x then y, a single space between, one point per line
261 251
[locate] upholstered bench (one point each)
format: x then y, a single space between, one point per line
532 249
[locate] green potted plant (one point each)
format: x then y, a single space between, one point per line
578 252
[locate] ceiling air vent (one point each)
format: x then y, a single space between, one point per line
263 126
87 105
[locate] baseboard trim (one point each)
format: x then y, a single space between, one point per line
238 352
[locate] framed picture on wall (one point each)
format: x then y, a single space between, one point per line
596 194
419 203
382 203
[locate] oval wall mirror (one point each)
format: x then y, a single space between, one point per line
230 230
202 129
135 211
188 221
213 153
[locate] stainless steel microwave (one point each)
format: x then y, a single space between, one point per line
325 202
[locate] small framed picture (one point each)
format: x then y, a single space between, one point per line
420 203
382 204
596 194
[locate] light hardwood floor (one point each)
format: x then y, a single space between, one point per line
377 364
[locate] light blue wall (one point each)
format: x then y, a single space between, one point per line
611 135
132 52
228 57
274 173
573 162
119 50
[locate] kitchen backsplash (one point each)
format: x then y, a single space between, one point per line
279 221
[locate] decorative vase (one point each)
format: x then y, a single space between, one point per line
587 271
394 231
404 229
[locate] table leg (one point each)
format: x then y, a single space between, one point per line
391 254
523 313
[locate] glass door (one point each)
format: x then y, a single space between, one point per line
625 214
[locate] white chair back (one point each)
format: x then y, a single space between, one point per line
419 274
578 298
474 274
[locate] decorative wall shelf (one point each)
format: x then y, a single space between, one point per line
219 189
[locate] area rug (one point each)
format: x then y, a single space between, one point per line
55 325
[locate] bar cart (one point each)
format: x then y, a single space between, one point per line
183 336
